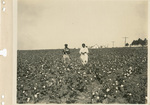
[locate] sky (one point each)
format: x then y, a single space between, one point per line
49 24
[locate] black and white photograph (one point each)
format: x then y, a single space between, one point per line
82 52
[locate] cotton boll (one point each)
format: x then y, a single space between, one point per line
122 85
107 90
28 99
35 95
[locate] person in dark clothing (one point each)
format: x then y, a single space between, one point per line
66 52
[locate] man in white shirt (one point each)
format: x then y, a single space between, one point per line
84 54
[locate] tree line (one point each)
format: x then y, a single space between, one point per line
138 42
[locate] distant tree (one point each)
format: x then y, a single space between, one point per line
127 44
139 42
145 41
135 42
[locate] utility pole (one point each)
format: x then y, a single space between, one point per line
113 43
125 40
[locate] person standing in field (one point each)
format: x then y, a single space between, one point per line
84 54
66 52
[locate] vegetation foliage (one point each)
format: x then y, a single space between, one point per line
115 75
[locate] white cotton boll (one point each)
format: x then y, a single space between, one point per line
130 94
50 84
107 90
146 98
28 99
122 85
130 68
116 82
35 95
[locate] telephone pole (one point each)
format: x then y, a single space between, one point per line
125 40
113 42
